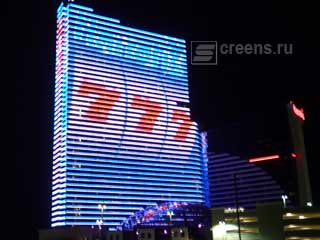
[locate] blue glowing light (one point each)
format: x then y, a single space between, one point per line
123 136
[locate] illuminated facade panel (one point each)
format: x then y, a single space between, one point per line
254 184
123 137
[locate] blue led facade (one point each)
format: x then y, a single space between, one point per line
254 184
123 136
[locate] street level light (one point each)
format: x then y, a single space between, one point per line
170 214
284 198
102 207
99 222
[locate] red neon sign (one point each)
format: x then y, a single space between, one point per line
259 159
293 155
298 112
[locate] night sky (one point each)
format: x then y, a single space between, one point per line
235 89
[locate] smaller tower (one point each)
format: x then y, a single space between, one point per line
296 120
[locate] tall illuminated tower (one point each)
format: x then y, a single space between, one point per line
123 137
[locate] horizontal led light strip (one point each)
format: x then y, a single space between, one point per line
121 108
168 198
96 157
97 45
130 66
136 80
147 136
71 5
141 61
126 192
107 43
103 32
110 64
130 93
125 167
94 16
132 138
96 118
128 184
112 114
165 37
174 155
85 152
129 59
131 147
126 171
97 212
180 96
194 180
87 54
177 157
94 207
164 179
121 121
259 159
131 126
115 28
103 164
151 191
89 141
137 50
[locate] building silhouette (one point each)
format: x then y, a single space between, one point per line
123 137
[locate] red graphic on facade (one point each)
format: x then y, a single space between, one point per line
101 105
103 99
183 118
148 118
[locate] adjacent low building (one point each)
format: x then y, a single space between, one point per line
269 221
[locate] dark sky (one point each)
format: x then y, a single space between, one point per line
237 87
